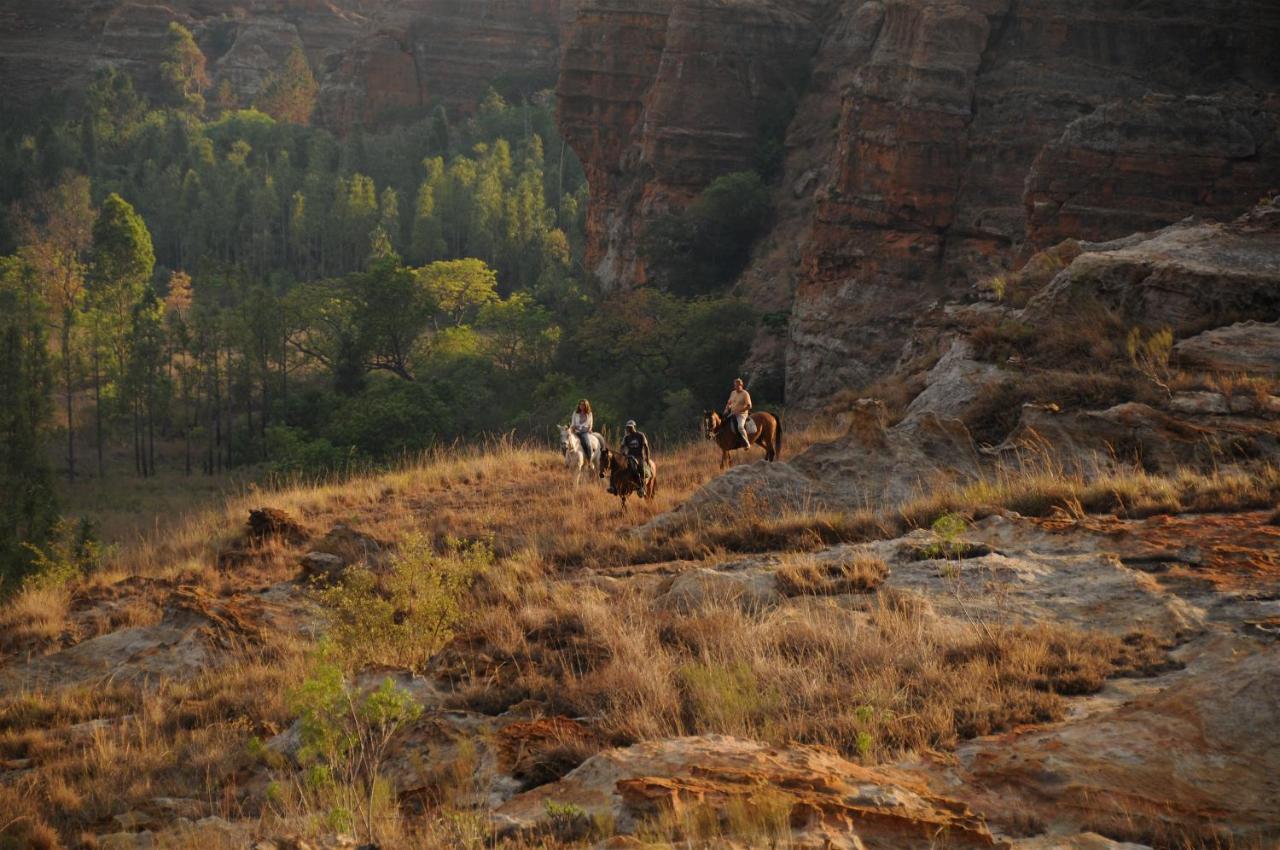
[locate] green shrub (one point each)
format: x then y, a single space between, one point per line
72 553
346 735
403 618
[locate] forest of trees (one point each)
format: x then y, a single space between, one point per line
199 284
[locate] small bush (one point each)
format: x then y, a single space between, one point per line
72 553
346 736
403 618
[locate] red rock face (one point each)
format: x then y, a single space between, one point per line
376 60
658 97
937 142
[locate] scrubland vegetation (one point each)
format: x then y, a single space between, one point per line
500 583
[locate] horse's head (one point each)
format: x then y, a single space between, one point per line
566 441
710 423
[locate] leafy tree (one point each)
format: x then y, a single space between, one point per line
184 69
29 511
521 332
123 260
145 376
458 288
640 347
56 229
290 94
224 97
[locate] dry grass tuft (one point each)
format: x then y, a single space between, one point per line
809 577
34 618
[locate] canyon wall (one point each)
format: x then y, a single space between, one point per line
376 60
933 142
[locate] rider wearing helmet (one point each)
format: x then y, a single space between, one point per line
635 448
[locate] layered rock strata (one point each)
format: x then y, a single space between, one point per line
376 61
934 142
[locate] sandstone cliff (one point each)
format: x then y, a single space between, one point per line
375 59
934 142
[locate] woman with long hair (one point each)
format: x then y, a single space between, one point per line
582 424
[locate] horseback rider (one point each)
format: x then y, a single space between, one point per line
635 448
737 409
581 424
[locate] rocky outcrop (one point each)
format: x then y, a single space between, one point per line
934 142
1197 762
376 61
194 635
1186 277
658 97
1138 164
1129 434
980 130
1245 348
826 801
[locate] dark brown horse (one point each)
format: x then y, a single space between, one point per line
623 480
768 435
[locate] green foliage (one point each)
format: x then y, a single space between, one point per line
185 69
330 303
72 551
346 733
651 356
28 512
458 288
403 618
704 248
948 531
568 822
289 94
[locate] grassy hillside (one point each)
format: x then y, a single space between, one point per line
553 606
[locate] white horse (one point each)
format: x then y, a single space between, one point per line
575 460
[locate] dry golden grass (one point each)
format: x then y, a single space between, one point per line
873 683
872 674
129 745
33 616
806 576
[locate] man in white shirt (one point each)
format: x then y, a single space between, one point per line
737 409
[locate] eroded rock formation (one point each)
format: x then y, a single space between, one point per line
375 60
935 142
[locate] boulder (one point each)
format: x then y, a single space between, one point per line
953 383
322 566
1090 441
1183 277
874 466
1199 403
697 589
1199 760
1245 347
274 524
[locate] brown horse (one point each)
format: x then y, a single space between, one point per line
623 480
768 435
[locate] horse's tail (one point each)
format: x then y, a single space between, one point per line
777 437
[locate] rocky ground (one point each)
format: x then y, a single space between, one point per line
1182 751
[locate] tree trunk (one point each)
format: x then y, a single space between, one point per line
66 378
97 408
